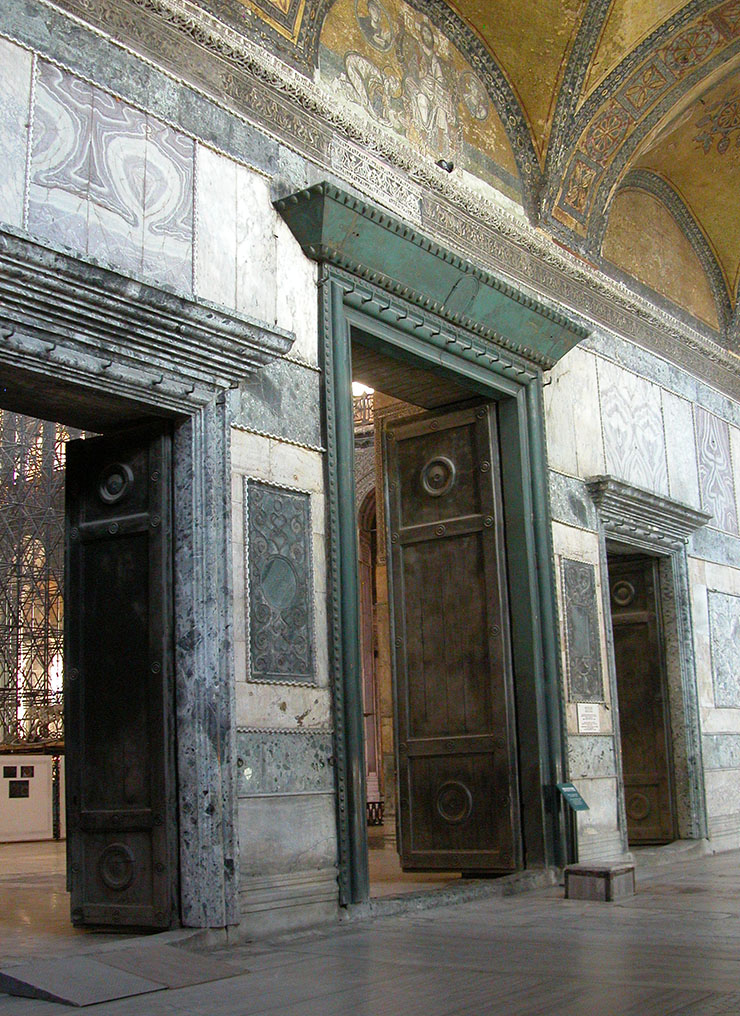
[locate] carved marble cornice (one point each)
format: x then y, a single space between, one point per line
63 316
236 74
641 517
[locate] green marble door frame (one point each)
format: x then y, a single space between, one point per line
406 333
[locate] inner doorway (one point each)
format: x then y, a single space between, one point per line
644 720
436 632
75 780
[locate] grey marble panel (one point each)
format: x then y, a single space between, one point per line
591 756
15 94
281 835
633 429
712 545
117 171
60 158
571 502
168 207
282 400
284 762
715 470
721 751
278 542
724 637
583 645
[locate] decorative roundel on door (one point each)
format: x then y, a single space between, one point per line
638 807
115 482
623 593
454 802
438 476
116 866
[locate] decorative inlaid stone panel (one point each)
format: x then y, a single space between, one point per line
284 762
581 632
715 470
724 636
283 400
279 565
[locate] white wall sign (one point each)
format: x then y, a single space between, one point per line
588 718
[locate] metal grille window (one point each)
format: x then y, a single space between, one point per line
31 578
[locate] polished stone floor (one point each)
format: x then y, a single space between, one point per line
672 950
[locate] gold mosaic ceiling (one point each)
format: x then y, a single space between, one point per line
615 123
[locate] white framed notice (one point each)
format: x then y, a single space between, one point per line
588 718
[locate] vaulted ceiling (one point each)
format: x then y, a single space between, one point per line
615 123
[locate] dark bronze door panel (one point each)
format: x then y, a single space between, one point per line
118 681
457 759
641 689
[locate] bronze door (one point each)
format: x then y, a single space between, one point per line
458 794
121 842
643 722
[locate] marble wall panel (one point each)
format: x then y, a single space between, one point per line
723 792
279 835
283 399
117 174
724 634
284 762
716 480
256 225
60 158
683 476
591 756
571 502
15 97
297 294
167 252
633 428
110 182
279 707
215 194
721 751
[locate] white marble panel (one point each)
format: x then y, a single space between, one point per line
601 797
559 397
215 227
296 467
723 792
683 477
587 414
116 183
282 707
168 207
15 97
256 225
297 294
284 834
735 453
60 159
250 455
633 428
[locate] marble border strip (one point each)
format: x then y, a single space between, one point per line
276 437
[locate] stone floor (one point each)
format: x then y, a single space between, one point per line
672 950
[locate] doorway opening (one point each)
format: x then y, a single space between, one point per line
441 767
82 801
637 596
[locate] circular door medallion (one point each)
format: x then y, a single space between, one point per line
438 476
623 593
454 802
116 866
638 807
115 482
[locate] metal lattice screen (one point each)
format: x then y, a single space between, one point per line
31 578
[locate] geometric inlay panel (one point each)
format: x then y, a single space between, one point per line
583 645
278 547
724 638
715 470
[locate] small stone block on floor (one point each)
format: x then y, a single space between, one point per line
602 882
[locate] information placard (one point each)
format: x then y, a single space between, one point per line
572 797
